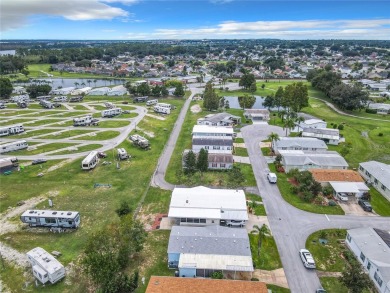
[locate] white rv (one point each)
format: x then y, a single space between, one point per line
13 146
111 112
46 218
109 105
151 102
164 105
122 154
60 99
90 161
161 110
82 121
13 129
45 267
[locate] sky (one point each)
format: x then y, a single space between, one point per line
201 19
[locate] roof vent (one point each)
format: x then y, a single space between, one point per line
31 212
69 213
234 241
186 200
196 239
54 213
157 283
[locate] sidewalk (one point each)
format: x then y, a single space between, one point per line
275 277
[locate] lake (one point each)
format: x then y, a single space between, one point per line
70 82
233 102
7 52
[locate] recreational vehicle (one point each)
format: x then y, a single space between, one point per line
109 105
46 104
140 141
140 99
82 121
41 98
122 154
164 105
2 106
90 161
111 112
76 99
7 164
51 219
60 99
22 104
45 267
13 146
151 102
13 129
161 110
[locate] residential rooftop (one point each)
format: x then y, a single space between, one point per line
326 175
379 170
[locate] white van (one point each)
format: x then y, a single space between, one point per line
272 177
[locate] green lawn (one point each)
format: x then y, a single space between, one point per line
14 121
379 203
80 107
239 140
7 113
285 190
333 285
42 149
30 133
277 289
84 148
65 134
72 113
328 257
269 258
255 197
103 135
156 201
242 152
113 123
43 122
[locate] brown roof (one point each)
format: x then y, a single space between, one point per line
220 158
191 285
322 175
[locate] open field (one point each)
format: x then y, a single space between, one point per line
84 148
30 133
14 121
7 113
42 149
65 134
113 123
103 135
43 122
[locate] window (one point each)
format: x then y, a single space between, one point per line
362 256
368 266
361 168
214 165
368 174
182 220
222 165
383 187
378 279
376 181
202 221
215 147
190 220
50 221
349 238
305 149
196 220
206 147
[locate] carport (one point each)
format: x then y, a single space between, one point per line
349 188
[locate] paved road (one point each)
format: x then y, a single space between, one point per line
289 225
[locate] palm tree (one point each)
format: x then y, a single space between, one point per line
76 84
273 137
89 82
299 120
261 232
83 83
282 114
288 124
95 81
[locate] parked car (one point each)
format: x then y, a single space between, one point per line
234 223
272 177
307 259
320 290
102 155
342 196
126 112
38 161
366 206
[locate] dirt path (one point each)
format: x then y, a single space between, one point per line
12 256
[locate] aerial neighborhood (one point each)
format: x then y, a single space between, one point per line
254 165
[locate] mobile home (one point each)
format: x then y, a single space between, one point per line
82 121
60 99
13 146
90 161
111 112
45 267
13 129
51 219
161 110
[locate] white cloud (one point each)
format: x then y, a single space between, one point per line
15 13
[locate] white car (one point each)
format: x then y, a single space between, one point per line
272 177
342 196
307 259
235 223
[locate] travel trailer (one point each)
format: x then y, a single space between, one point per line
90 161
76 99
45 266
111 112
60 99
140 99
161 110
51 219
151 102
140 141
122 154
13 129
83 121
46 104
164 105
13 146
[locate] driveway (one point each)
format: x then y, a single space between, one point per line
353 208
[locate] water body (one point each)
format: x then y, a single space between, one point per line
7 52
233 102
70 82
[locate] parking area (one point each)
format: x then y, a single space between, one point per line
351 207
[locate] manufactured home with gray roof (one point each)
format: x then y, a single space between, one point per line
298 143
378 174
371 247
219 119
328 135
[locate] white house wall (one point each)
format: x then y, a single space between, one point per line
212 149
377 186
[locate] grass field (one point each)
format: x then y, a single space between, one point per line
43 122
7 113
269 258
333 285
242 152
84 148
113 123
65 134
14 121
30 133
42 149
103 135
73 113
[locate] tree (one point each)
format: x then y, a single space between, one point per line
269 102
355 279
210 98
164 91
299 120
202 163
261 234
6 87
235 177
230 67
288 124
156 91
124 208
143 89
190 163
295 97
246 101
247 80
273 137
279 97
179 91
35 90
253 87
349 97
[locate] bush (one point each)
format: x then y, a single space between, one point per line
334 126
332 203
341 127
217 275
294 189
380 134
327 190
255 279
371 111
124 209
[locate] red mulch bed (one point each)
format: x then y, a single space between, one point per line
157 221
293 181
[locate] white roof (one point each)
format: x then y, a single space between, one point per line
216 262
349 187
207 203
212 129
50 214
89 157
45 260
313 121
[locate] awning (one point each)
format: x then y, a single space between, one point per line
346 187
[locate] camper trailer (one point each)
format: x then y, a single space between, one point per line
51 219
109 105
83 121
46 104
22 104
13 146
41 98
111 112
45 266
122 154
8 164
151 102
60 99
13 129
140 99
140 141
165 105
76 99
161 110
90 161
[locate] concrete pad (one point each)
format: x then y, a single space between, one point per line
256 220
239 135
352 207
275 277
239 145
244 160
166 223
265 144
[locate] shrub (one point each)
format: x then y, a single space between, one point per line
124 209
255 279
380 134
371 111
332 203
323 234
327 190
341 127
294 189
334 126
217 275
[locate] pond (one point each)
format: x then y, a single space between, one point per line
233 102
70 82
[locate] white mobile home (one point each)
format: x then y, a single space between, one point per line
90 161
13 129
45 267
60 99
204 131
101 91
13 146
298 143
309 123
328 135
378 175
111 112
161 110
47 218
